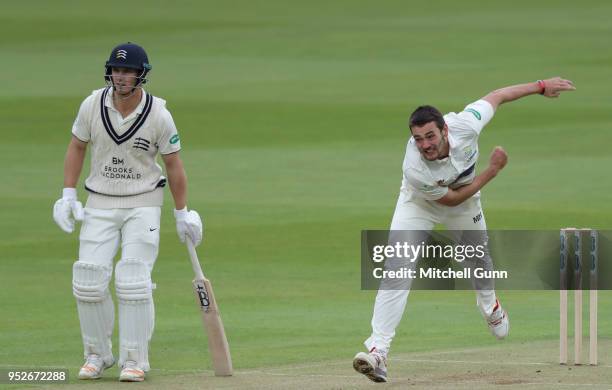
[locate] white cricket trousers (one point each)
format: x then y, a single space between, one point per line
135 230
103 232
419 215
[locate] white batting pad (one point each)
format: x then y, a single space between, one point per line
95 307
136 311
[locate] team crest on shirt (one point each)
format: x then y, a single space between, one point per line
468 153
141 143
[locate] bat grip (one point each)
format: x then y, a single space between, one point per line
195 263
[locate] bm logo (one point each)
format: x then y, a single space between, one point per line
202 296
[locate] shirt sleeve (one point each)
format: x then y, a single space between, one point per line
169 141
475 116
424 190
81 128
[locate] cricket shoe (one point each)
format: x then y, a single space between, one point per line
373 365
131 372
94 367
498 321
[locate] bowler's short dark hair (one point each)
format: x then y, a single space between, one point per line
426 114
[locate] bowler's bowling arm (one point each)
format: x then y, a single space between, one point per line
457 196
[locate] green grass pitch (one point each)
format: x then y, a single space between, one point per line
293 125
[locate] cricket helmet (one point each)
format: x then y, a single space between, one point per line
128 55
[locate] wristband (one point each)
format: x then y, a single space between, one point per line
542 86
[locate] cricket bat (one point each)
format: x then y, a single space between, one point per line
211 318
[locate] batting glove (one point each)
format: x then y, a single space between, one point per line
189 224
67 210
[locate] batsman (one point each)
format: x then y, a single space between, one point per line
440 186
126 128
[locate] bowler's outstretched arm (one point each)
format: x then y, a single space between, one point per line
551 88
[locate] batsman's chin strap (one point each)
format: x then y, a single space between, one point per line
132 92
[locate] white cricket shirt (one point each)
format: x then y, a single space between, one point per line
430 180
124 172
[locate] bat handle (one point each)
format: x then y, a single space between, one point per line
195 263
